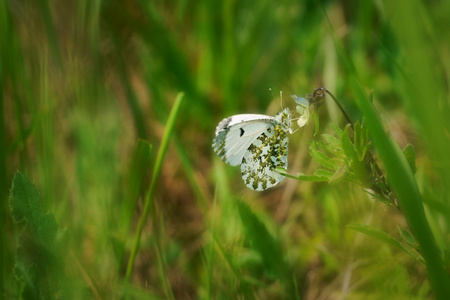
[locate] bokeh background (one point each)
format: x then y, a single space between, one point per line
87 87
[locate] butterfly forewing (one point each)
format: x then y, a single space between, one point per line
235 134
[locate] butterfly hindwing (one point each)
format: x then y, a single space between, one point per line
266 153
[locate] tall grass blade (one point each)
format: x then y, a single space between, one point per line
155 176
404 184
402 180
140 166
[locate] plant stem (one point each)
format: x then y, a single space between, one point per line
338 104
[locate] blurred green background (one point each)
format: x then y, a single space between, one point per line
86 84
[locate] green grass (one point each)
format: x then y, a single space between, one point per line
91 116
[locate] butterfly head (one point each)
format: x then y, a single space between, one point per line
284 117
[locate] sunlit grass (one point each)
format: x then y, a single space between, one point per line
87 91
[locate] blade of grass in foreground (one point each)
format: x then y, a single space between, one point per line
139 168
149 196
404 184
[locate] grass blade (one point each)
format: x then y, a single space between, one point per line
156 171
383 236
403 182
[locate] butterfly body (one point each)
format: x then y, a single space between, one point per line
256 142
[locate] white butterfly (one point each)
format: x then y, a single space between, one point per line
258 143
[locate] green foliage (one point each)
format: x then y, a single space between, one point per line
39 260
88 88
263 243
402 179
347 159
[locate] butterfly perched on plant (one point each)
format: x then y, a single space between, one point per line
258 143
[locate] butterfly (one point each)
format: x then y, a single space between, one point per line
258 143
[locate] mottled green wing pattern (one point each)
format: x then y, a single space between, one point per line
267 152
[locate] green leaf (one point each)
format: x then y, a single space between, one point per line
319 175
332 146
332 140
361 140
348 147
383 236
336 129
407 237
321 158
262 242
25 206
338 175
355 164
39 251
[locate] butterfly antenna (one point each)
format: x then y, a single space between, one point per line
271 91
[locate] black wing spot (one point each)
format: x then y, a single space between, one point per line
242 131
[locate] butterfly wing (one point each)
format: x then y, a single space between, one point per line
235 134
268 151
